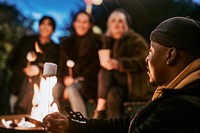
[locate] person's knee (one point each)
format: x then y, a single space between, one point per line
71 89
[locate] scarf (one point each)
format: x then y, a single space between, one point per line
188 75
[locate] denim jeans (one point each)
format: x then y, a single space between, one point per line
76 100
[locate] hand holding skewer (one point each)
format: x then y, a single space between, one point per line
31 57
68 80
70 64
31 70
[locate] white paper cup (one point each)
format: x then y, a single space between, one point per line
104 56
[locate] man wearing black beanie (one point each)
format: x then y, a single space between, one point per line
174 67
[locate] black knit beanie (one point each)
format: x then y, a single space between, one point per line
179 32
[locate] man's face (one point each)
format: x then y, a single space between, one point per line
82 24
157 67
46 28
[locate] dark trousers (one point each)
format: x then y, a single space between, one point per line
112 86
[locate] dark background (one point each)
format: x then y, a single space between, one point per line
147 14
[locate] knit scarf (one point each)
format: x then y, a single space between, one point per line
188 75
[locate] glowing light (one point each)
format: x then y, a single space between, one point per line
97 29
6 123
43 99
70 63
31 56
24 123
97 2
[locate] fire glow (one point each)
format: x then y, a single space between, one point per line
43 103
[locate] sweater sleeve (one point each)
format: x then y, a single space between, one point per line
100 126
78 124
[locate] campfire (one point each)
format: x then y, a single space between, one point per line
43 104
43 99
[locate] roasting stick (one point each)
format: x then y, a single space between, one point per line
50 70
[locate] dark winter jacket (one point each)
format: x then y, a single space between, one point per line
177 111
84 52
131 51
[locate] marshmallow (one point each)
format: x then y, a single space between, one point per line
31 56
70 63
50 69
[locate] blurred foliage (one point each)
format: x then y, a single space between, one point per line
5 50
13 25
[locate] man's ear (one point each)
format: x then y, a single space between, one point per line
171 55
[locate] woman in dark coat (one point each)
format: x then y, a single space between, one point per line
124 76
27 64
81 47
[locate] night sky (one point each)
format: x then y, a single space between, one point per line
60 10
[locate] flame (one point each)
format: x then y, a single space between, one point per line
24 123
43 102
6 123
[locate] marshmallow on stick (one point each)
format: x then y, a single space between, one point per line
31 57
70 64
50 69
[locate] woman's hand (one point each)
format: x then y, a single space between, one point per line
65 94
115 63
56 123
107 65
68 80
111 64
31 70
